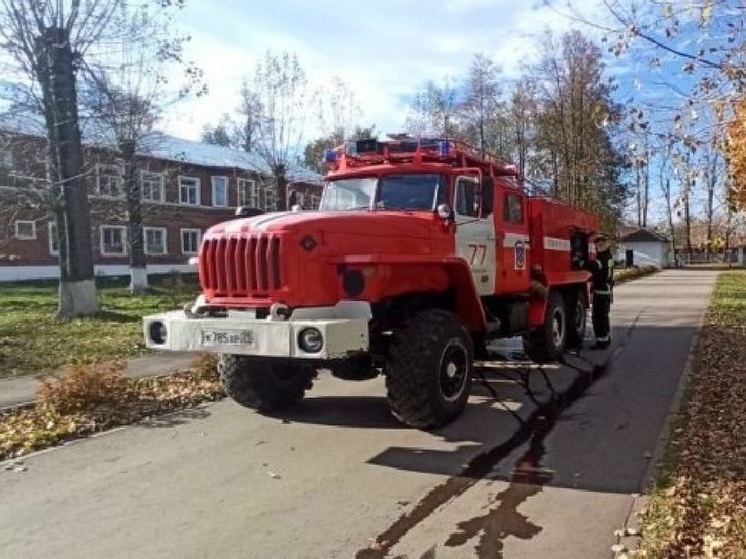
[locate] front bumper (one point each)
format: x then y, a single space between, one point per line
342 337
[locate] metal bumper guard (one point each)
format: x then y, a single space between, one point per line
344 328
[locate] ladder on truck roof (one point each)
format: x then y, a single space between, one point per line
364 153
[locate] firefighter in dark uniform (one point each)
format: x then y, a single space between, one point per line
602 271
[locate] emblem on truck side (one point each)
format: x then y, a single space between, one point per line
520 255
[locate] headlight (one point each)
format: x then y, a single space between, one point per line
311 340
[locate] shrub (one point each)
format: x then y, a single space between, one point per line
85 388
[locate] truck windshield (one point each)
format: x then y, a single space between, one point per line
395 192
348 194
409 192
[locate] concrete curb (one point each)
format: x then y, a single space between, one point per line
630 536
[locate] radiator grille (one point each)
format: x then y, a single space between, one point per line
247 266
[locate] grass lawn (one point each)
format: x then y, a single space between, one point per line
698 507
34 340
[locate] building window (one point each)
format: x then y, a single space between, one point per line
513 209
155 240
113 240
109 180
152 186
189 191
190 241
25 230
54 247
247 193
220 191
6 159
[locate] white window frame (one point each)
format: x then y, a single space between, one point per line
122 228
247 191
198 185
199 239
162 187
163 230
120 177
20 237
6 159
226 183
52 237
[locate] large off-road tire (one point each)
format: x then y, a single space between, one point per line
546 343
577 316
428 369
264 384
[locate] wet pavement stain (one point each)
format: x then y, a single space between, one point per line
527 480
528 477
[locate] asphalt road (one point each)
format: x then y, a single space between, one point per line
543 463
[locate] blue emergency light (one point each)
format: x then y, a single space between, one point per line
330 156
443 147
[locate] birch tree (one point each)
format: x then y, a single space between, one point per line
127 92
281 90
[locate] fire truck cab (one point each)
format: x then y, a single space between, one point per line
422 251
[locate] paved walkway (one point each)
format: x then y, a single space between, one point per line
541 465
21 390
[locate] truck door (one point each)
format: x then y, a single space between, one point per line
513 245
475 234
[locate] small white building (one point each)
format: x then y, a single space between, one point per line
644 247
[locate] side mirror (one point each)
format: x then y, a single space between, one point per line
488 196
444 212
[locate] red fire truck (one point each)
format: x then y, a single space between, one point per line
421 252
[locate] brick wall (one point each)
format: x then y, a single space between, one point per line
23 197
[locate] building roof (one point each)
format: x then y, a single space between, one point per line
164 146
643 235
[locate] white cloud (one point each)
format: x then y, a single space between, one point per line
385 52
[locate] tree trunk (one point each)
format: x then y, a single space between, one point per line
644 183
638 187
687 218
669 212
281 185
55 73
711 182
135 232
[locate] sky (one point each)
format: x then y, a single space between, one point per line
385 50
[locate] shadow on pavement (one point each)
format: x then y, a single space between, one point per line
362 412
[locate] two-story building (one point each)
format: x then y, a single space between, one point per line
185 187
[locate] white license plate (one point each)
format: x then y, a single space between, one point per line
228 337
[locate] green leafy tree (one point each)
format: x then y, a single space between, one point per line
576 124
313 153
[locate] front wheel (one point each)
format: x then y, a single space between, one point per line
546 343
428 369
264 384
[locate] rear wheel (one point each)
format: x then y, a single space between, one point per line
428 369
547 342
577 314
264 384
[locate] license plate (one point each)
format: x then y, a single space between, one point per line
228 337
